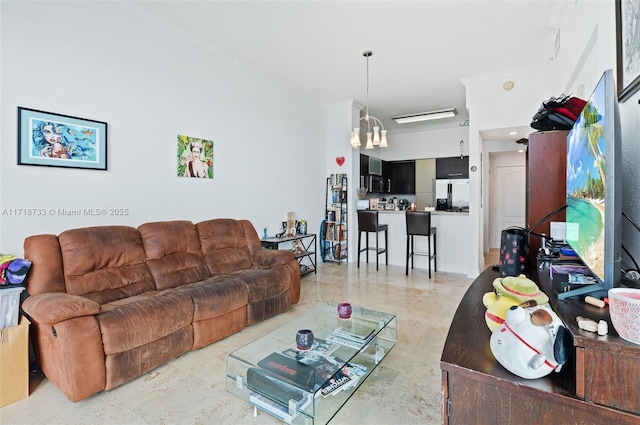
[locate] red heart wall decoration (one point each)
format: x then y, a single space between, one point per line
340 160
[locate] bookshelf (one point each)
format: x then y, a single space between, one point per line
334 248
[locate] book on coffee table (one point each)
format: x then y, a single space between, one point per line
351 334
290 370
267 384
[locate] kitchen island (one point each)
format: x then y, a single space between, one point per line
455 254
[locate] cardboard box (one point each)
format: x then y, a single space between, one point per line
14 362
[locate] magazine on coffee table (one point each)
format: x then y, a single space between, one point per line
345 378
320 357
351 334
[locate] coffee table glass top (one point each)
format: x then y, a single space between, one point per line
309 387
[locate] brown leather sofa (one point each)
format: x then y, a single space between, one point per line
110 303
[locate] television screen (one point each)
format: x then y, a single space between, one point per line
593 185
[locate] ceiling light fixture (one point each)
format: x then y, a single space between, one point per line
426 116
376 137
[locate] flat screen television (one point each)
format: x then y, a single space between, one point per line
594 208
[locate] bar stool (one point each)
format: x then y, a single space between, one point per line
419 224
368 223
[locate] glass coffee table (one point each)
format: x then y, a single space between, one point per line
310 386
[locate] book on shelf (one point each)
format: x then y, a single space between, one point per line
340 251
336 232
336 179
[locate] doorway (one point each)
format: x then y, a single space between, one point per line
507 195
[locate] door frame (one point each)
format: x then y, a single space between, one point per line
500 159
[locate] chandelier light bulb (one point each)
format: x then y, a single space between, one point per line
355 138
383 140
369 141
376 136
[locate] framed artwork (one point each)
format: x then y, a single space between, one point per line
628 47
373 203
195 157
56 140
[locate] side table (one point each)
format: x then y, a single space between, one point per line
308 252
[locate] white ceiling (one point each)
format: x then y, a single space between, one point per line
421 49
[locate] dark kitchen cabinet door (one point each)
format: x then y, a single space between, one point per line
452 168
387 176
364 165
404 177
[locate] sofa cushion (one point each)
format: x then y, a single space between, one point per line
173 253
224 245
104 263
215 297
139 320
46 273
263 282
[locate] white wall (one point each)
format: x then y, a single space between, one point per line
100 60
491 107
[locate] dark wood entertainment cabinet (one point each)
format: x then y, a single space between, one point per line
599 385
546 167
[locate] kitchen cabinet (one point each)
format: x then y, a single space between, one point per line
387 176
403 177
452 168
425 177
364 165
364 172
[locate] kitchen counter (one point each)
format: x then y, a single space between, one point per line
455 255
432 212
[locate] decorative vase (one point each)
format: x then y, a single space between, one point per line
304 339
344 310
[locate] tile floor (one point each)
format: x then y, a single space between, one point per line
404 389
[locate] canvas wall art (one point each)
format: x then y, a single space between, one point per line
195 157
628 47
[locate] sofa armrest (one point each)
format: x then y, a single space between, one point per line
54 307
274 257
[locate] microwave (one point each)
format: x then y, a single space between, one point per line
376 184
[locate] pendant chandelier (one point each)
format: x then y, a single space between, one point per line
376 134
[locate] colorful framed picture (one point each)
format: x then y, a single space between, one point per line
195 157
628 47
55 140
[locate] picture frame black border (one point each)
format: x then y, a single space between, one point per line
24 139
625 89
